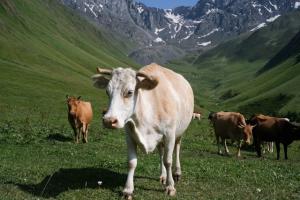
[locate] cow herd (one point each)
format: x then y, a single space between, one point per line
155 106
264 130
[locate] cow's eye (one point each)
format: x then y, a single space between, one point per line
129 93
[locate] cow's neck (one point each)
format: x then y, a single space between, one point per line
142 127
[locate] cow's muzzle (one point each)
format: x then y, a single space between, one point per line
110 122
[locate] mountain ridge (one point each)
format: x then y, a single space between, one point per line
200 27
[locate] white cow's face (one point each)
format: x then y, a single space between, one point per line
122 92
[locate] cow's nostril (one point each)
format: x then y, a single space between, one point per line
114 121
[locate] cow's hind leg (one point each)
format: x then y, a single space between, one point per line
271 144
132 163
285 151
278 149
168 159
177 174
163 172
225 146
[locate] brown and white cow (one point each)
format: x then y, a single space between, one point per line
80 115
155 105
197 115
230 125
273 129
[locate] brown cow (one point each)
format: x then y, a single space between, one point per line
230 125
269 129
80 115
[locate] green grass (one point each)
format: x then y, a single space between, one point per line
52 166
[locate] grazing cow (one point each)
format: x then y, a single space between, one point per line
80 115
155 105
270 129
197 115
230 125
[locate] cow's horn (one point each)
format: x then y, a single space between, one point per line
104 71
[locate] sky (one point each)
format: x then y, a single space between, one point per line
168 3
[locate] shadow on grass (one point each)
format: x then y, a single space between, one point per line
71 179
59 137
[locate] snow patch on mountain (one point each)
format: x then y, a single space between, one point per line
259 26
272 19
214 10
176 19
157 30
140 9
208 34
204 44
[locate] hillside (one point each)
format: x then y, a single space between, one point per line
46 52
228 74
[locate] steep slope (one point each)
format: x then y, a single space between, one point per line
46 52
228 73
290 50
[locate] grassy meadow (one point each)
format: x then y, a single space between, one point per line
47 52
40 161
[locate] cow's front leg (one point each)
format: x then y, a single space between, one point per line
177 174
163 172
239 149
218 144
168 159
132 163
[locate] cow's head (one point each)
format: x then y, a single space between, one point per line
73 103
247 132
121 86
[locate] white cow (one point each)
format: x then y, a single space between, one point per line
155 105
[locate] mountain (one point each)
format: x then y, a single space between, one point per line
255 72
201 26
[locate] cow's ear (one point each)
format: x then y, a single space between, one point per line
145 81
102 78
67 96
100 81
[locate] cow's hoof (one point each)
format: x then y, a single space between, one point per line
177 177
162 180
171 191
127 196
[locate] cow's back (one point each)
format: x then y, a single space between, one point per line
226 124
85 113
172 100
270 128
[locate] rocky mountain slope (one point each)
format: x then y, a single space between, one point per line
199 27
